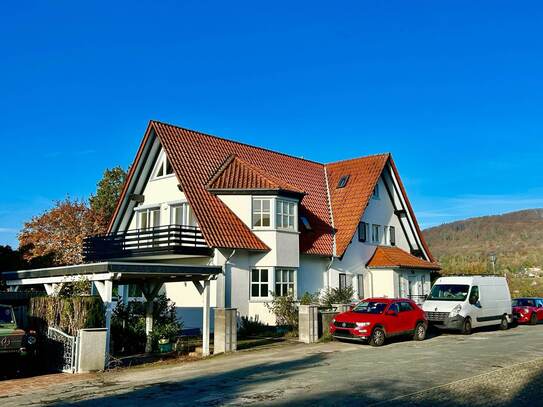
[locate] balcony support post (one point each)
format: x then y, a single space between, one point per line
150 290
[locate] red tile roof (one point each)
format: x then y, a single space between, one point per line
196 157
202 161
236 174
349 203
393 257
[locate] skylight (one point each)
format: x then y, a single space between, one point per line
305 222
343 181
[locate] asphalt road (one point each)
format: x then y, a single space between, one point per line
501 368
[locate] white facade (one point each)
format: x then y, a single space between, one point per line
250 278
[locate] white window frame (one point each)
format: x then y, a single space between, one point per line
375 239
391 232
148 210
185 216
282 283
260 283
262 212
289 203
162 163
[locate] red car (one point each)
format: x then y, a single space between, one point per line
528 310
375 319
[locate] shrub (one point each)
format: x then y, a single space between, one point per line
252 327
337 296
308 299
285 310
128 325
67 314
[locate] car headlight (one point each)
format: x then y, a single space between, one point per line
31 340
333 320
362 324
526 311
455 311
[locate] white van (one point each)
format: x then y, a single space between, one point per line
463 303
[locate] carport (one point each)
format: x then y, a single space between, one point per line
150 277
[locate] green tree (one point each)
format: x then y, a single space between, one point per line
108 191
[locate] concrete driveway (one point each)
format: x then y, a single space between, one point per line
502 368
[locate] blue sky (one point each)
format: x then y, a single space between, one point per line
454 89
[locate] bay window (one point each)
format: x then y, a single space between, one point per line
262 212
284 282
285 214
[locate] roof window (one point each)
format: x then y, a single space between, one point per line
343 181
305 222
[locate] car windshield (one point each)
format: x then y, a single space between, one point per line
449 292
370 307
6 315
523 302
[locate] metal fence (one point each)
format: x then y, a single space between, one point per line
61 351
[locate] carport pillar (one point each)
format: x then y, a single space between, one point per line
150 291
205 330
105 289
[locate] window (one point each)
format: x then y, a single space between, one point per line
342 281
392 235
134 291
343 181
284 282
285 214
179 214
259 283
305 222
163 167
362 231
261 212
449 292
360 286
385 235
474 295
375 233
148 218
394 307
405 306
375 194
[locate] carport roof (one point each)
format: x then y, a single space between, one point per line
394 257
117 271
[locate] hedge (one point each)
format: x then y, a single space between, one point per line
67 314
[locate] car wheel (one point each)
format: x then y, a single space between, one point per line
420 332
377 337
466 328
504 324
533 319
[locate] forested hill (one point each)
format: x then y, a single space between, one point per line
464 246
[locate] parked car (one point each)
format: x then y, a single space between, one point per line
528 310
376 319
463 303
15 342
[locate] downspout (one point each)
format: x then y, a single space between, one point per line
226 284
329 276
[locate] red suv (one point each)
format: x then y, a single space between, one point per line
528 310
375 319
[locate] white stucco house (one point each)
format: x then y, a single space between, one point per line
274 223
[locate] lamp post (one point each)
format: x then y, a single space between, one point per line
492 257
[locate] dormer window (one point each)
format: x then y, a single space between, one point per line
163 167
343 181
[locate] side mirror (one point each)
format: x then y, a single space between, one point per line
392 313
473 300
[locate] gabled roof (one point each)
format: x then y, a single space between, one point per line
205 165
394 257
349 202
238 175
196 157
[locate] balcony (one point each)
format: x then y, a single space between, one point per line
156 241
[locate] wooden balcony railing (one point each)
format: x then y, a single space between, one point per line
176 239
